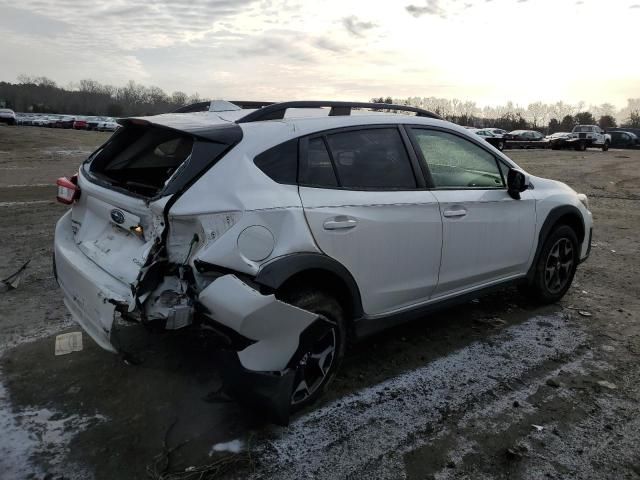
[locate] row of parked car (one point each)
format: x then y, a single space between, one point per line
77 122
580 138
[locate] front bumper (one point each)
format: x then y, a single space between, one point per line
90 294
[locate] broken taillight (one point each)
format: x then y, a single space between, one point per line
68 190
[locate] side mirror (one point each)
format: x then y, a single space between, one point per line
517 182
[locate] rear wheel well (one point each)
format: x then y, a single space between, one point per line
325 281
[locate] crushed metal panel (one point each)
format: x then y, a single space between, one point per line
274 325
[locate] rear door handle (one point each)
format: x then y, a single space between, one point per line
340 223
455 213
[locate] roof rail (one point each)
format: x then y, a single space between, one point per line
276 111
204 106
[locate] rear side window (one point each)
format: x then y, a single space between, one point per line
373 158
280 163
317 170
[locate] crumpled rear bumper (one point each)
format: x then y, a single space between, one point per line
90 293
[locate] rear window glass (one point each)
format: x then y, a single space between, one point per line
373 158
280 163
583 129
141 158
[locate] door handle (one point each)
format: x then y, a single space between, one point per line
454 213
339 223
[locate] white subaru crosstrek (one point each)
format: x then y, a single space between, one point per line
289 228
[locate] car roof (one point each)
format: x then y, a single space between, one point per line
303 120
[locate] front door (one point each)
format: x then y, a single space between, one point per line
487 235
365 208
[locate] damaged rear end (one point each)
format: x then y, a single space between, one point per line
111 252
141 243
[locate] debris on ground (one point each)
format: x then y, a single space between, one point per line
13 280
609 385
68 342
552 382
494 322
517 452
584 313
538 428
233 446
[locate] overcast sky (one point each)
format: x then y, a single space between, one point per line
489 51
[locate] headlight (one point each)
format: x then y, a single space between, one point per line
584 200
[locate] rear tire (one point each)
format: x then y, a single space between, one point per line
501 146
555 267
317 369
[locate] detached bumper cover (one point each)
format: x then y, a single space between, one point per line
262 374
90 293
274 326
267 393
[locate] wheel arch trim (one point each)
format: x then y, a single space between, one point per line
275 273
554 217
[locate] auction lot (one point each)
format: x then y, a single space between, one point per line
496 388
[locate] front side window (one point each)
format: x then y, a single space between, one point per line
371 159
457 163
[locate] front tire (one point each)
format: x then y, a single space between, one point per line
605 147
318 367
555 267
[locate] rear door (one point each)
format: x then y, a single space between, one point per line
487 235
367 208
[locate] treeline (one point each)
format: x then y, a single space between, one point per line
547 118
89 97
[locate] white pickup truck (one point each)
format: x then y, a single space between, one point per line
590 136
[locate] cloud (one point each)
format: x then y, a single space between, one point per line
637 5
432 7
324 43
357 27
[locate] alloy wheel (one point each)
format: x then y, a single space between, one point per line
314 367
559 266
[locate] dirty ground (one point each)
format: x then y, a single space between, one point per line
497 388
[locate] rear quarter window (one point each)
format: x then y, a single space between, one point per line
280 163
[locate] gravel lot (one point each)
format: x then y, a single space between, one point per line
497 388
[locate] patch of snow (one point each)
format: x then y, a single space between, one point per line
234 446
363 431
29 433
